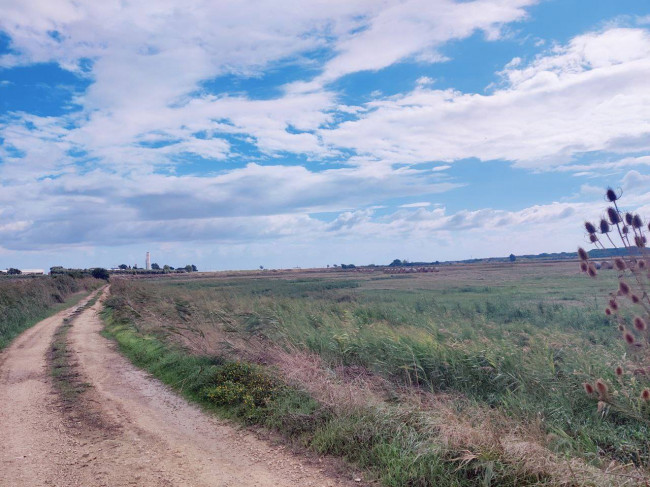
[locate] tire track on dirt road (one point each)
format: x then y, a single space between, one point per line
146 436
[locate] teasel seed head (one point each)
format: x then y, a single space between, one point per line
591 270
601 387
621 328
639 241
590 227
619 371
625 229
593 238
604 226
635 299
637 222
613 304
611 195
629 338
641 264
645 395
589 389
629 218
613 215
640 324
624 288
608 311
583 266
620 264
582 253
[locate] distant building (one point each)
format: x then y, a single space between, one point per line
148 262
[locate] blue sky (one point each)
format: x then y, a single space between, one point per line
233 135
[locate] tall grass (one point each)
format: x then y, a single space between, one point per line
516 349
25 301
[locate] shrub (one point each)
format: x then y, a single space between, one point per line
242 384
100 273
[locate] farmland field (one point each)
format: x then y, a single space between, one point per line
472 375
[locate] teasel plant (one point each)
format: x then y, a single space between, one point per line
628 307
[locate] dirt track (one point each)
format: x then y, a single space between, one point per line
131 431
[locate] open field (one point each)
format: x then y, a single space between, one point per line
469 376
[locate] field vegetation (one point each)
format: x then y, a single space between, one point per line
469 376
25 301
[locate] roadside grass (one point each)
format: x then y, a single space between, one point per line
512 349
25 302
398 445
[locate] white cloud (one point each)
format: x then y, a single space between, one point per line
418 28
421 204
590 95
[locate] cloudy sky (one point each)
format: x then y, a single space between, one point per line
233 134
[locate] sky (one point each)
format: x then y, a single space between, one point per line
233 135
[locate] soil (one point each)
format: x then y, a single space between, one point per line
127 428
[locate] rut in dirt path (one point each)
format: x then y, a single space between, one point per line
136 431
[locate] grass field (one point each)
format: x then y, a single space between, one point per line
468 376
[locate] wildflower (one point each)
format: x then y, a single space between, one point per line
601 387
645 395
589 389
613 216
619 263
582 253
604 226
619 371
611 195
591 270
640 324
629 338
624 288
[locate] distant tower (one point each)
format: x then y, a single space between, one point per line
148 264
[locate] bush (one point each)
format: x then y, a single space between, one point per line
242 384
100 273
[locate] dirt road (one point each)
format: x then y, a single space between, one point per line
132 430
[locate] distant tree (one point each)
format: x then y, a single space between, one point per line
100 273
512 257
155 266
188 268
13 272
135 266
123 267
348 266
194 268
395 263
261 267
